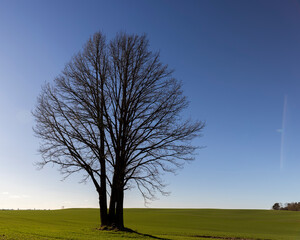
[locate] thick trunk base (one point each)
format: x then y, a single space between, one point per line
114 228
113 225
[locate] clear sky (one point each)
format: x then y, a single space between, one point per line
239 64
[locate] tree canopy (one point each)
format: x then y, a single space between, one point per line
115 113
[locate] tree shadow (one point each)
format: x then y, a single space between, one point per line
128 230
143 234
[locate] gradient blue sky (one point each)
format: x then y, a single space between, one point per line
239 64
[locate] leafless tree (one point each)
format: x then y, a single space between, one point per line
115 113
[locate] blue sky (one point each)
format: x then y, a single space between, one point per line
239 65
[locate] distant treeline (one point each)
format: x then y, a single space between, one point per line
294 206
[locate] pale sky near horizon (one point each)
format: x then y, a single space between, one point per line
239 65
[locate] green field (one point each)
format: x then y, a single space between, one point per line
152 224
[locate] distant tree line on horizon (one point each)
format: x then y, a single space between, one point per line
293 206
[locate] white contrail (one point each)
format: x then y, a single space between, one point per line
283 131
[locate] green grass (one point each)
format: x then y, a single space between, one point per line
175 224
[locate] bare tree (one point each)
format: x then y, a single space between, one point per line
114 113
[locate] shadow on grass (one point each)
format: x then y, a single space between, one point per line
227 238
143 234
128 230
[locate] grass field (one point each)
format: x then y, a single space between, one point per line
152 224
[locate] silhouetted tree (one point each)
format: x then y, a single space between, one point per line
114 113
276 206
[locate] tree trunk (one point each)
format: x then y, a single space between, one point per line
103 210
119 209
112 206
103 196
116 202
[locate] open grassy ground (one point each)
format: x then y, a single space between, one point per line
151 224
